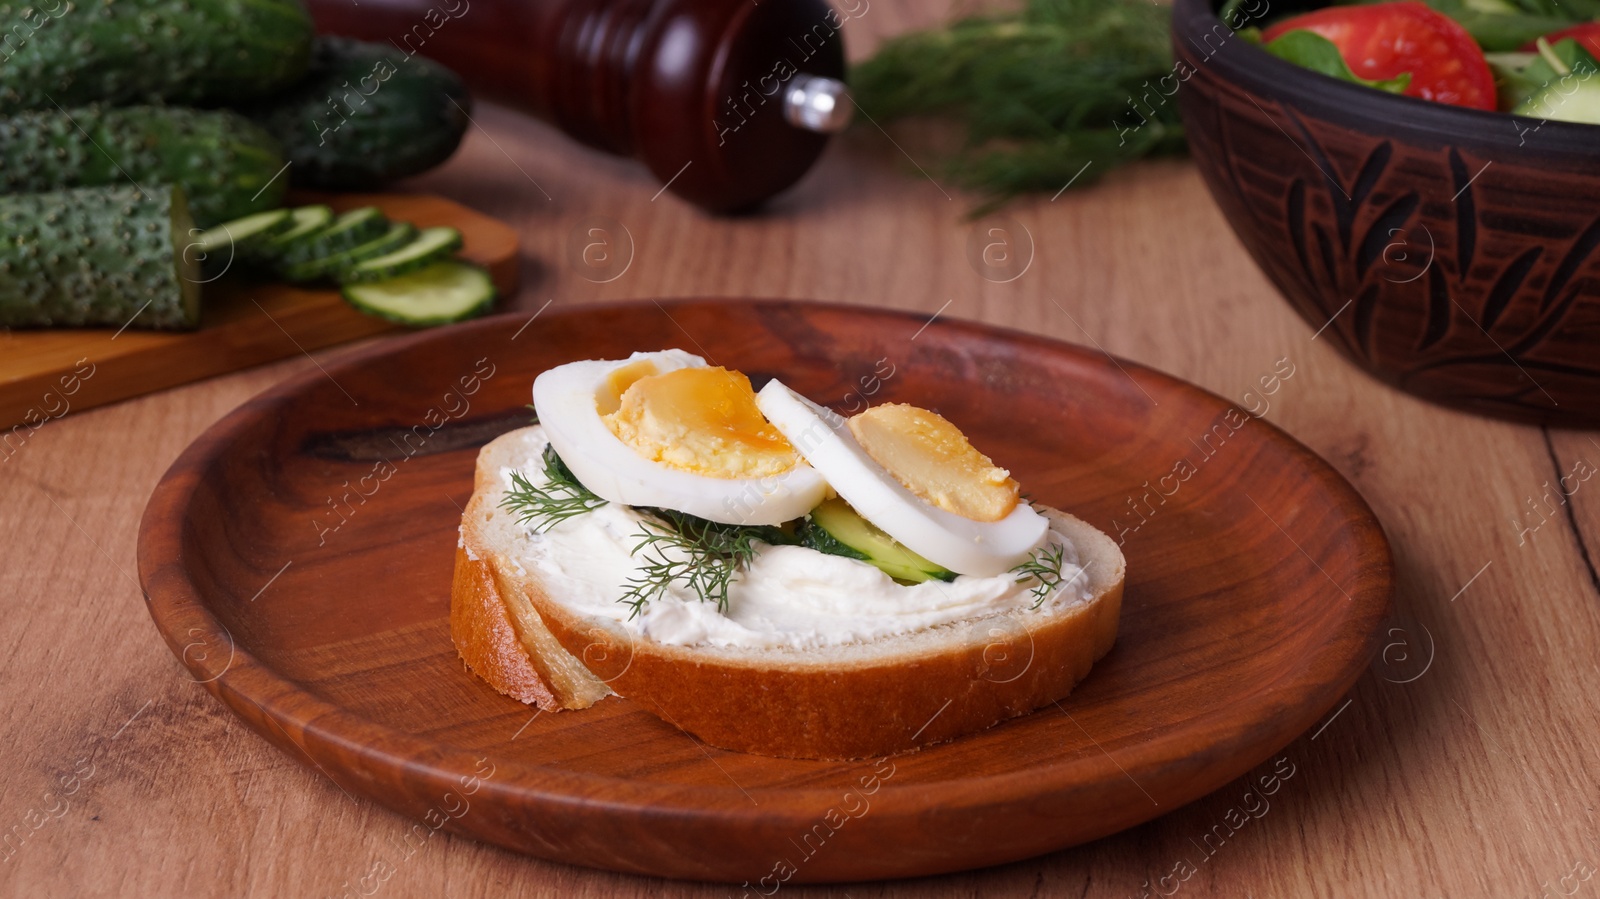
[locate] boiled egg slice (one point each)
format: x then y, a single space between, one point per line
964 513
666 430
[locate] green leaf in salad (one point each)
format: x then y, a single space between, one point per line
1558 82
1521 75
1317 53
1506 25
1576 10
1510 80
1495 7
1564 57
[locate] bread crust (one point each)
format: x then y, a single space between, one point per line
493 623
782 703
481 628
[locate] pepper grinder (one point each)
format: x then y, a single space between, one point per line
727 101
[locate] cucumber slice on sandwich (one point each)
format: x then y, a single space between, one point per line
443 292
835 528
430 246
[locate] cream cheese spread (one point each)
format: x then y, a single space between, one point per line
789 597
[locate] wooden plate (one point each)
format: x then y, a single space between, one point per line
298 557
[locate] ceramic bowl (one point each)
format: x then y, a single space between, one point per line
1453 253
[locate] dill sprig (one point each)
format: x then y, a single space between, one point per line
1040 93
702 555
561 498
1044 568
674 547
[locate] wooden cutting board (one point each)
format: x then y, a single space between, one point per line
46 374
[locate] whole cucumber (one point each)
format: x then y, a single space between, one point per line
227 165
67 52
111 256
366 114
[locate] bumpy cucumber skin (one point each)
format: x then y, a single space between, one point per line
96 256
227 165
366 114
141 51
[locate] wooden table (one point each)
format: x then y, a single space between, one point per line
1463 764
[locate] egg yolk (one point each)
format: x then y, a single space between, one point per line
702 420
608 399
933 459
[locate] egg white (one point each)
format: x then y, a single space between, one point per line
565 399
823 438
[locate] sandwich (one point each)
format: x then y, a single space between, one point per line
766 574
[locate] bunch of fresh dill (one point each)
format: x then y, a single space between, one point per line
1059 92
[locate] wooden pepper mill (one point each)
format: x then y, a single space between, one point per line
727 101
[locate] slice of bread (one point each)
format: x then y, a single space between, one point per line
848 701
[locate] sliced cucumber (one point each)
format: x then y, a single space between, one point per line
443 292
812 535
430 246
1559 83
243 232
307 220
1571 99
837 529
347 230
333 265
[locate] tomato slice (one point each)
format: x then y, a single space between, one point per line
1384 40
1587 34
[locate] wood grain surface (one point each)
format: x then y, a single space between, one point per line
46 374
1462 764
